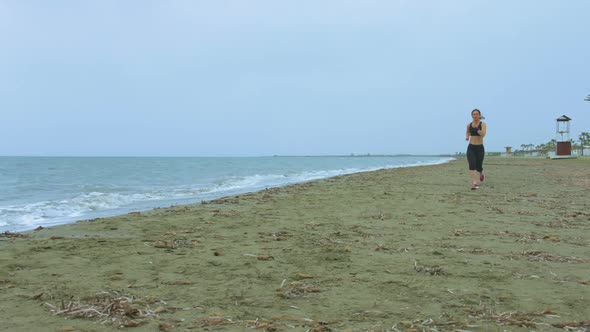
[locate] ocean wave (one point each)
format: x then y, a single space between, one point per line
263 180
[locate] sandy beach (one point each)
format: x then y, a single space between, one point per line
410 249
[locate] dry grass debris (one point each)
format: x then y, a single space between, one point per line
122 311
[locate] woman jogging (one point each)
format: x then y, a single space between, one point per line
476 130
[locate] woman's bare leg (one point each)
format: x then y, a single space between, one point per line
474 176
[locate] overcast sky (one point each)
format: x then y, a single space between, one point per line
288 77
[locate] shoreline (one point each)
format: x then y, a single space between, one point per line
171 201
407 247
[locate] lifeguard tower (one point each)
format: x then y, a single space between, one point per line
564 145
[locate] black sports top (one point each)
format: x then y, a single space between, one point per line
473 130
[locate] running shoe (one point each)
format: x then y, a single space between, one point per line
482 177
474 186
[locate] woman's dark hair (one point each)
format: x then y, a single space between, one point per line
478 111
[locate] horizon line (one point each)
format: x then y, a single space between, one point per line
227 156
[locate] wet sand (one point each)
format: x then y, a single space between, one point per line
407 249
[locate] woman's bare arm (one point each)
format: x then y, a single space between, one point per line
483 130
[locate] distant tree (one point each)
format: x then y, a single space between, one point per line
524 148
575 144
584 138
527 147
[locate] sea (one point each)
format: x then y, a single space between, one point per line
50 191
